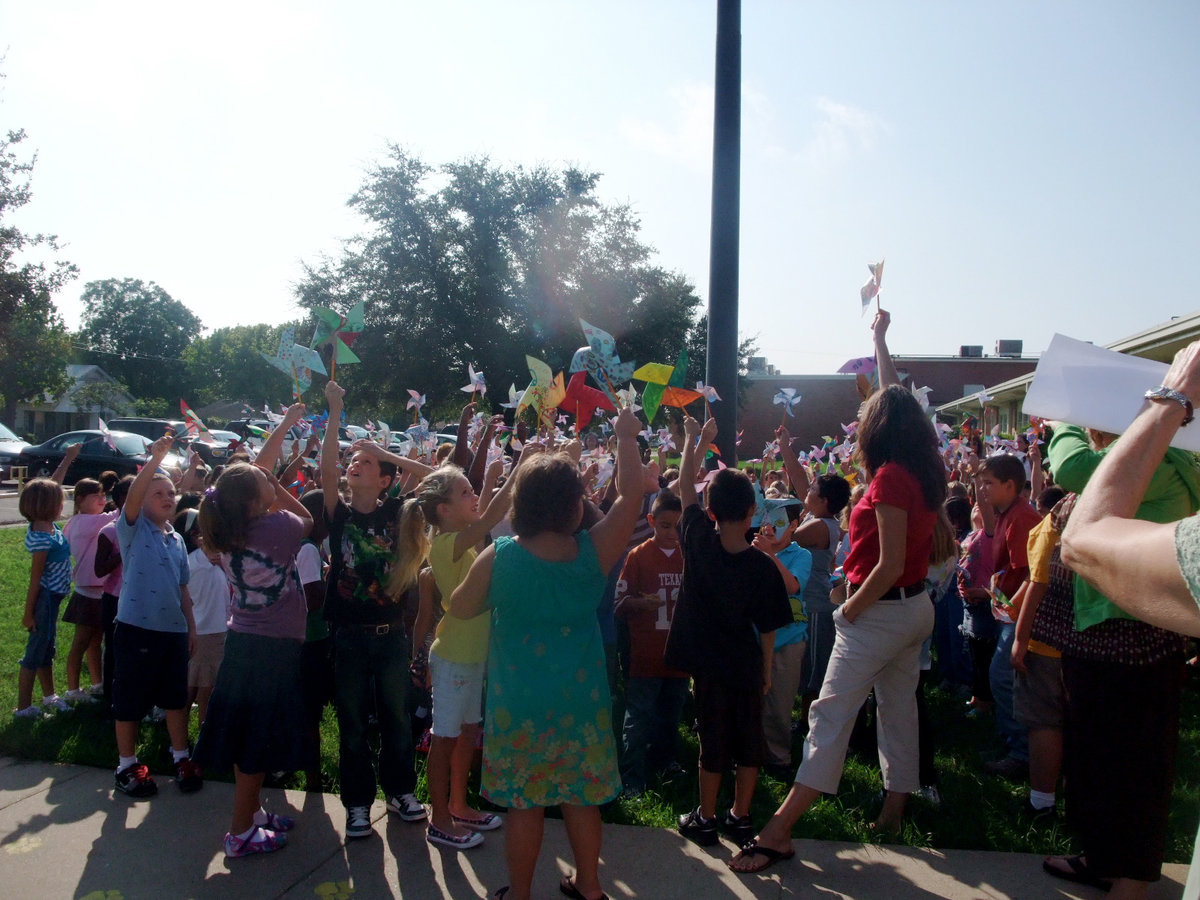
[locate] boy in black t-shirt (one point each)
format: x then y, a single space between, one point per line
723 634
370 645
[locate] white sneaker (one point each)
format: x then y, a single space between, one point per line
29 712
78 696
358 822
55 703
96 690
406 807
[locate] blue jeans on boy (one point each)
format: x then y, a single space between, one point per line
371 675
1014 734
653 708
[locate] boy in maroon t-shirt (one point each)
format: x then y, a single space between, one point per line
655 693
1004 476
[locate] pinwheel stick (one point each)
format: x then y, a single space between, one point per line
707 410
608 381
333 365
783 419
295 383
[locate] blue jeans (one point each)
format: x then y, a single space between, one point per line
954 660
1000 674
371 674
653 708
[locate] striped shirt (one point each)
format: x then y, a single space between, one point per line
56 576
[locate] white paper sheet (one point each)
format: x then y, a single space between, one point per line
1086 385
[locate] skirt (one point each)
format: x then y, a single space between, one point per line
256 716
83 610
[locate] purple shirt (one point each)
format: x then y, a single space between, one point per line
267 598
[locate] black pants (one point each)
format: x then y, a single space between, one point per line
982 651
108 618
1121 736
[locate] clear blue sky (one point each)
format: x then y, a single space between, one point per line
1027 167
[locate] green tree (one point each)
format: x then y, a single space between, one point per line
697 347
472 263
137 332
34 346
226 365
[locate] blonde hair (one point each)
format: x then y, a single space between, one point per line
417 517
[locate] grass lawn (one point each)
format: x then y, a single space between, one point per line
977 813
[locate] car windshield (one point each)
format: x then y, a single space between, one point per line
6 435
223 437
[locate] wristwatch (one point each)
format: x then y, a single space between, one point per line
1162 392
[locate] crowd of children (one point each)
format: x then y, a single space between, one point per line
518 588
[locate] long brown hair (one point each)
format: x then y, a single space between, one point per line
227 508
892 427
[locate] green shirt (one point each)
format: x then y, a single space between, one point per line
1173 494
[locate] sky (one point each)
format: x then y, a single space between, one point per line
1027 167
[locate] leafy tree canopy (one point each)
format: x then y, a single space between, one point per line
34 346
137 332
473 263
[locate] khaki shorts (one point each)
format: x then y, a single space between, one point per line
202 667
1039 699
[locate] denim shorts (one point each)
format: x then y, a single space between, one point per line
457 695
39 649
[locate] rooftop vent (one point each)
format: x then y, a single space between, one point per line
1009 348
972 351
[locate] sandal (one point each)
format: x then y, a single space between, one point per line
567 886
500 894
754 848
1077 871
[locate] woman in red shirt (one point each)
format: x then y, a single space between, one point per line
884 620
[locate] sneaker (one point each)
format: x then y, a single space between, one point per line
699 829
189 776
78 696
631 793
671 772
157 714
739 829
29 712
96 690
1009 767
55 703
358 822
482 822
136 781
1035 816
277 823
406 807
260 840
455 842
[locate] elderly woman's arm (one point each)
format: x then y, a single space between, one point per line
1130 561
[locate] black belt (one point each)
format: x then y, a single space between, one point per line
370 629
893 593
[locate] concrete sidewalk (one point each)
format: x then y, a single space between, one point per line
63 833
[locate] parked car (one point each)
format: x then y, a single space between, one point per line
130 453
217 451
255 432
10 449
151 428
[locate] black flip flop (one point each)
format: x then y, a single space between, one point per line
754 848
1079 872
567 887
500 894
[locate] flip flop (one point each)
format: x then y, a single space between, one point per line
1077 872
753 848
567 886
500 894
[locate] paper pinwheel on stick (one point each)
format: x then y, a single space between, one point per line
582 400
544 393
195 427
870 290
599 359
295 361
788 398
415 403
337 333
478 385
710 395
514 398
664 386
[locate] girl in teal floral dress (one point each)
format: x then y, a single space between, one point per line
548 740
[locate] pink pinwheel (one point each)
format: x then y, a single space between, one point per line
665 440
415 404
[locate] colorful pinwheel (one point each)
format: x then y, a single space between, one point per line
295 361
599 359
338 332
582 400
514 398
664 386
477 383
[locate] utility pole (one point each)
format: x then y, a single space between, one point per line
722 360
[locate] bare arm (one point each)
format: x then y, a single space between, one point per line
69 457
329 447
479 460
883 356
687 460
268 456
610 535
285 501
36 568
1034 592
470 597
767 639
185 605
462 447
423 624
403 463
108 556
141 484
796 473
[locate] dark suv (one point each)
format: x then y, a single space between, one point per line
150 428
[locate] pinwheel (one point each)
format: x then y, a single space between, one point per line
194 426
922 396
514 398
338 332
664 386
871 288
477 383
297 361
665 439
416 401
628 397
108 438
771 511
788 398
383 434
599 359
544 393
583 400
710 395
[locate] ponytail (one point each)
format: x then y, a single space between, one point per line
412 546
